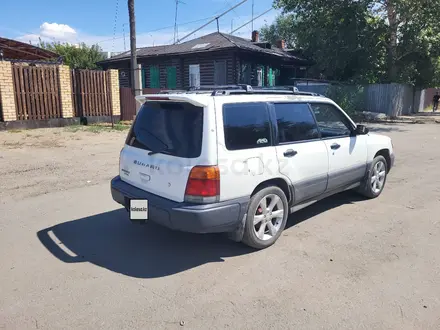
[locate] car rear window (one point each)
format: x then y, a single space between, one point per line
246 126
173 128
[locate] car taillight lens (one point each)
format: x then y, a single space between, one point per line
203 185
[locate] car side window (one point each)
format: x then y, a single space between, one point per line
246 126
295 122
331 122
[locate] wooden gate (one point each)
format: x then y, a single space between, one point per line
128 102
91 93
36 92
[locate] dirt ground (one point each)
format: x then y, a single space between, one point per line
70 258
40 161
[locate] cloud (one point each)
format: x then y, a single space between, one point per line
51 32
56 32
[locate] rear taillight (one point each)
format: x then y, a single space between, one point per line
203 185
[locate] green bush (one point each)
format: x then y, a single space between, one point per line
349 97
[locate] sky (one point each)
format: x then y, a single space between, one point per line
105 21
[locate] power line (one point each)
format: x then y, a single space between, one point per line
237 14
212 20
159 29
251 21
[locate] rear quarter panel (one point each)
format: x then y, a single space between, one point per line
241 171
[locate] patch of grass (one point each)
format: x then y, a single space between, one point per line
73 128
121 127
15 131
95 129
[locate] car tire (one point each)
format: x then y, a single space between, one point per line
263 228
376 178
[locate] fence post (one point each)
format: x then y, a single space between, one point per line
114 90
65 91
7 101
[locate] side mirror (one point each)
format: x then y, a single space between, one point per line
361 130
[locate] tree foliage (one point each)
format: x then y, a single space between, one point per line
364 40
76 56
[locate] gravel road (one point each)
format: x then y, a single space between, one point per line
70 258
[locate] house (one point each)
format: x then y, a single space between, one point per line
17 51
213 59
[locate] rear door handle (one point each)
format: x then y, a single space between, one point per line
335 146
290 153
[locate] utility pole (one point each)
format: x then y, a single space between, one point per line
176 28
123 33
252 15
135 76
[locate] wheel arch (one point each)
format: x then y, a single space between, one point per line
385 153
280 183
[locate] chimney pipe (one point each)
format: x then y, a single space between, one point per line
281 44
255 36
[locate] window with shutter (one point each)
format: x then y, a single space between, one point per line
171 77
154 77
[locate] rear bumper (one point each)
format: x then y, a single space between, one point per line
209 218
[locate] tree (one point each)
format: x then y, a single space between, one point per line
364 40
77 57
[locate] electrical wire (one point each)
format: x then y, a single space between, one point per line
159 29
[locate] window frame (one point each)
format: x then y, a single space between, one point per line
196 65
275 124
343 117
217 72
272 125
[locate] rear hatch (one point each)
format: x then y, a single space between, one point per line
163 145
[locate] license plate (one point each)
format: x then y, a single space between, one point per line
138 209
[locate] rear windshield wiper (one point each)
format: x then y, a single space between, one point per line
153 152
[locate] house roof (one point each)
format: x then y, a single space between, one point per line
17 50
211 42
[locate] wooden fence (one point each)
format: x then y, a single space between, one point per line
36 92
91 93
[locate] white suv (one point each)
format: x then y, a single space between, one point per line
239 160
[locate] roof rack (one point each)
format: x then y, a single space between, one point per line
247 89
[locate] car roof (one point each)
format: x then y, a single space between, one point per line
201 96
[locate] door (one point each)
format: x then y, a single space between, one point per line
347 153
302 156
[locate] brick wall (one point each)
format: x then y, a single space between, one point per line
114 89
66 91
7 101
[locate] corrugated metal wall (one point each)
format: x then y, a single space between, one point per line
391 99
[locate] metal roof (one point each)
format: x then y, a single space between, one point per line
17 50
211 42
